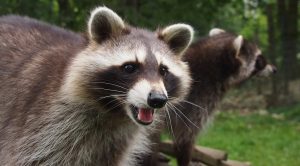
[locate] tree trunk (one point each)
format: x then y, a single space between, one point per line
64 14
292 12
271 51
287 19
282 23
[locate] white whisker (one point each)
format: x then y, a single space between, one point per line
112 90
185 117
193 104
115 106
104 97
178 115
170 123
107 83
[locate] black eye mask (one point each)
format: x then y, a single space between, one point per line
260 64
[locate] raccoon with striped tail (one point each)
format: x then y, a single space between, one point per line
216 62
73 100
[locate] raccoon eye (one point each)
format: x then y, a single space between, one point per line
163 70
260 62
130 68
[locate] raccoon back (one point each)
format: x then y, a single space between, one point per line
33 60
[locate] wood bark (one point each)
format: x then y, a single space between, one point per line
272 53
287 22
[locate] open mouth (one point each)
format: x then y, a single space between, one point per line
143 116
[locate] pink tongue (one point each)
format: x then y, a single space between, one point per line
145 115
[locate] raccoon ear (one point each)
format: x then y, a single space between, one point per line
237 44
216 31
104 24
177 36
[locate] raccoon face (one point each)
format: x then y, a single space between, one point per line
246 56
129 71
262 68
252 61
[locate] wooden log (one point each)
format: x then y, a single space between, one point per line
163 164
234 163
197 164
206 155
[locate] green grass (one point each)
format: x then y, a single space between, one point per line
264 138
290 112
261 139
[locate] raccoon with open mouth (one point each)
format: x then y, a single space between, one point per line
67 99
216 62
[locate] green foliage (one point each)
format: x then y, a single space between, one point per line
202 15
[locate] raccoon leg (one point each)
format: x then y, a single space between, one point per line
184 141
183 152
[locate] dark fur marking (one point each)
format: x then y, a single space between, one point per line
102 28
179 41
260 64
151 67
172 85
106 79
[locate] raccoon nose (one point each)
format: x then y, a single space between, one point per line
274 69
156 99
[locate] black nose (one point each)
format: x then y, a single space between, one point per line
274 69
156 99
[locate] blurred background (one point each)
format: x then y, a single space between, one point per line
258 121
